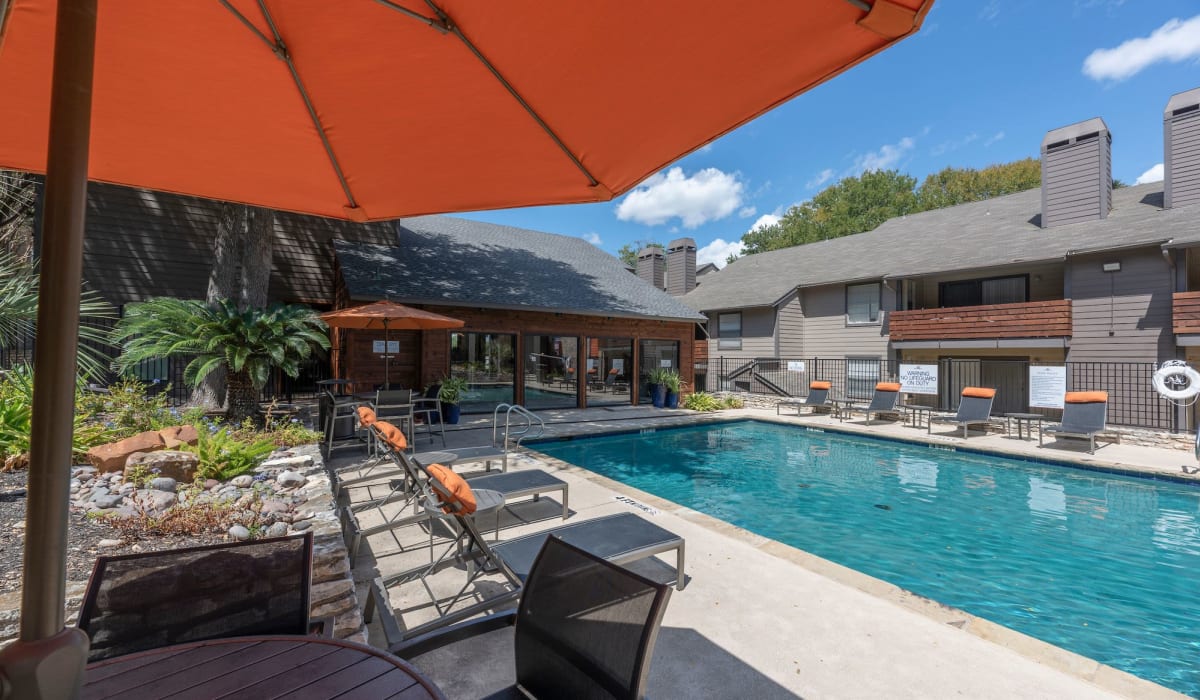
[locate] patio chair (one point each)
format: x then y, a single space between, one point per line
339 410
427 411
818 397
413 490
136 602
974 408
396 406
884 400
584 628
1084 415
614 381
624 538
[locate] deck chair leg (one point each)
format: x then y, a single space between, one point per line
1092 442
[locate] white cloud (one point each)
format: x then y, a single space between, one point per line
946 146
708 195
747 212
717 252
993 138
990 11
821 178
765 220
1154 174
886 157
592 237
1177 40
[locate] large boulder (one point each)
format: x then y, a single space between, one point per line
178 435
180 466
112 456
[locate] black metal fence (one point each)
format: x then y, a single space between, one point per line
1132 399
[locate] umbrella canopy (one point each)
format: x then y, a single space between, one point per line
360 110
388 315
372 110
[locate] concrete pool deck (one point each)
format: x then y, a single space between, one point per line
761 619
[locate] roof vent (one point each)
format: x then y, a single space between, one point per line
1076 173
681 266
652 266
1181 149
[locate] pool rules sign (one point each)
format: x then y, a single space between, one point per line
919 379
1047 386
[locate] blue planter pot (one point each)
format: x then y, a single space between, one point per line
660 395
672 400
451 413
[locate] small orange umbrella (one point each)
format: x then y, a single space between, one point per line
388 315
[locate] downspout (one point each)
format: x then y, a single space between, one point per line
1179 282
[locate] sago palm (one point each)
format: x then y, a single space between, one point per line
248 344
19 307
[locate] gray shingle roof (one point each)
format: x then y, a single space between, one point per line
451 261
991 233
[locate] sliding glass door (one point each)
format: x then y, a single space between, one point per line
551 372
486 361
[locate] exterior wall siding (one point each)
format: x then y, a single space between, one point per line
1121 316
1045 283
758 334
790 339
826 333
1182 136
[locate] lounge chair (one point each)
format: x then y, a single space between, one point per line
974 408
623 538
818 397
884 400
412 491
379 466
137 602
584 628
1084 414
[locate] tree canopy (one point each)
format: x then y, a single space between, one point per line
628 253
860 203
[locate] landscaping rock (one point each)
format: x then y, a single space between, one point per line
164 483
99 491
159 500
274 506
290 479
111 500
244 481
112 456
239 532
289 462
211 484
180 466
302 525
109 543
277 530
179 435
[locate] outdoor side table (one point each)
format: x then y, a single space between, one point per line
262 666
918 415
1024 419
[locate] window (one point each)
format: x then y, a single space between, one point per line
1013 289
729 331
862 303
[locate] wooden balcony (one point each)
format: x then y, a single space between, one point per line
1185 309
1034 319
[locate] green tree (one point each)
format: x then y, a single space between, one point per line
852 205
628 253
952 186
19 282
247 344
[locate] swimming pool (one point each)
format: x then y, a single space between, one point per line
1107 566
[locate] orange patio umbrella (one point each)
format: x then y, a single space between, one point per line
364 110
388 315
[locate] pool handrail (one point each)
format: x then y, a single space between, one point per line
521 431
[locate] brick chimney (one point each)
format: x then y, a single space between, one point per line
652 266
1181 150
681 266
1076 173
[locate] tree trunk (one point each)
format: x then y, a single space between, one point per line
256 258
222 284
243 398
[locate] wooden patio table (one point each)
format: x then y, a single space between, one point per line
259 668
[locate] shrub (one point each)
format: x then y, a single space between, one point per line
732 402
280 431
213 518
127 410
223 455
16 413
701 401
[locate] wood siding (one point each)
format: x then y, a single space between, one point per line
1045 283
1035 319
1121 316
1185 312
1077 185
1182 184
758 334
790 340
826 333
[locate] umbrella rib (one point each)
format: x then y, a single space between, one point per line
280 50
447 25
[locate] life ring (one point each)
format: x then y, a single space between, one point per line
1176 381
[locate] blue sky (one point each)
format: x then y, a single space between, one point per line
981 83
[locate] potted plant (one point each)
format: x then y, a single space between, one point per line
657 382
450 394
672 381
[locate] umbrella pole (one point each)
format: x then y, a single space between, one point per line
387 380
48 660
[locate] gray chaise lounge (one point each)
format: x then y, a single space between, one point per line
1084 415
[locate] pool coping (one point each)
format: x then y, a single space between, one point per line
1087 669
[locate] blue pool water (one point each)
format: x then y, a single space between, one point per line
1104 565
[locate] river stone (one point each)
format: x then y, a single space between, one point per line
288 462
109 543
160 500
290 479
244 481
164 483
98 491
274 506
211 484
277 530
239 532
108 501
178 465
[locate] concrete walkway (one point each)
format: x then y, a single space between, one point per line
764 620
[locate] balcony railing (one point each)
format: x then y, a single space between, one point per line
1186 312
1033 319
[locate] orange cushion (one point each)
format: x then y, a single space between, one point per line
392 435
460 500
613 371
887 386
365 416
1087 397
979 392
570 370
820 385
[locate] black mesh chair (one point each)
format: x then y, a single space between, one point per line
584 628
137 602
